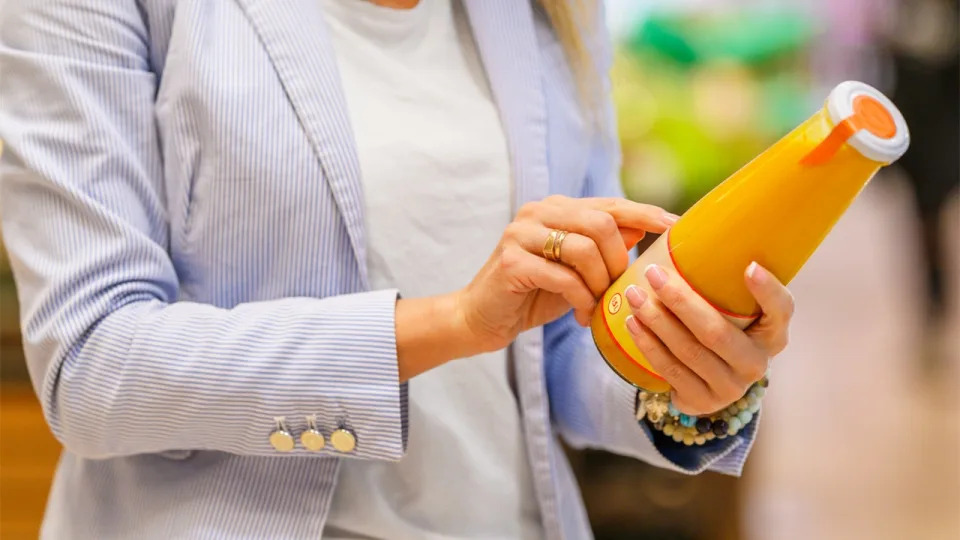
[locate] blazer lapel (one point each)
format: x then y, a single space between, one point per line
295 36
506 38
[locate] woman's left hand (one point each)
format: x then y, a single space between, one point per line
709 362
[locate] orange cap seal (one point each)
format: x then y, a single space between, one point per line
868 114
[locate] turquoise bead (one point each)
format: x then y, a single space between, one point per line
754 408
745 417
673 410
687 421
735 425
759 391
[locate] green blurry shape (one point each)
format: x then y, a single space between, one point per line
787 102
745 37
654 92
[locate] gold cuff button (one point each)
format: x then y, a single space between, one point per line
281 439
343 440
312 439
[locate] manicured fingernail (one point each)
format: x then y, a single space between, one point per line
755 273
656 276
635 296
632 325
670 219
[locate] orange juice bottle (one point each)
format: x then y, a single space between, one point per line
776 211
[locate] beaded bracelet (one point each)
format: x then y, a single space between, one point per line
660 413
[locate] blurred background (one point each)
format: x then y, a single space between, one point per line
861 427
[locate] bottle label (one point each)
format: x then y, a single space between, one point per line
615 303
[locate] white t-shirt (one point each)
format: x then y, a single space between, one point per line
438 191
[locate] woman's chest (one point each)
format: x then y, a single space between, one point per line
258 143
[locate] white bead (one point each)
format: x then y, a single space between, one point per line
735 425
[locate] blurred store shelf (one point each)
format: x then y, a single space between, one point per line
28 455
12 366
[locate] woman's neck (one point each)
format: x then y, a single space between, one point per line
396 4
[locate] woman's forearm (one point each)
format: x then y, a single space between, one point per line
430 332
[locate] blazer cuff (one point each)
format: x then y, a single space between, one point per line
726 456
357 383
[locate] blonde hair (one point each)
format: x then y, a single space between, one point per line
572 20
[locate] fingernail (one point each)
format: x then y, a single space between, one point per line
755 273
632 325
656 276
670 219
635 296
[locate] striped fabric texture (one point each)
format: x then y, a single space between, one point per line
181 203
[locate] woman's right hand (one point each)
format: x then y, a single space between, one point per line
518 289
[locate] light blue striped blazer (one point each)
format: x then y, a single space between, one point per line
182 209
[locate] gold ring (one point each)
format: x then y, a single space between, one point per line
551 248
549 244
557 244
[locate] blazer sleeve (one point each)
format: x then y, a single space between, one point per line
590 404
120 365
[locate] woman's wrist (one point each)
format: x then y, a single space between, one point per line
430 332
658 411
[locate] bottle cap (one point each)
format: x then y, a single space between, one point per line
882 134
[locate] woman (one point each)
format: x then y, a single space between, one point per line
240 228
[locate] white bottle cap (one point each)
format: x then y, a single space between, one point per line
883 135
